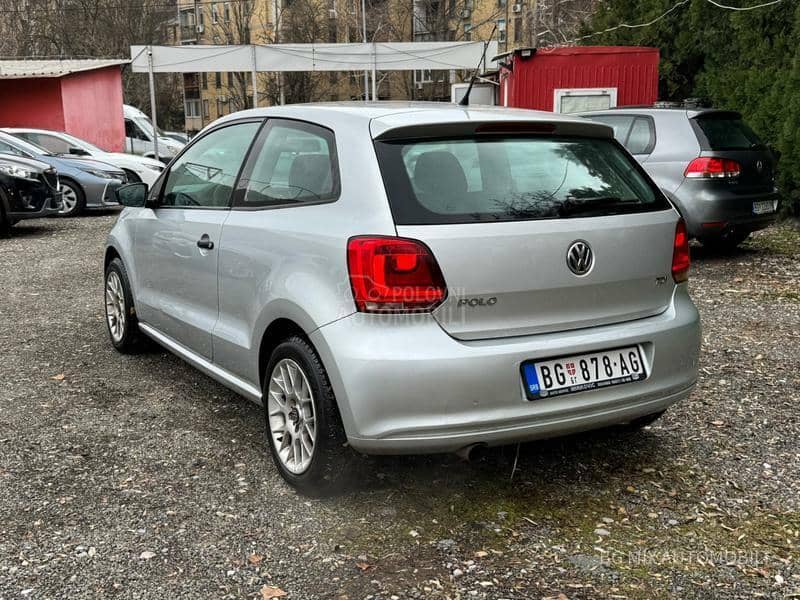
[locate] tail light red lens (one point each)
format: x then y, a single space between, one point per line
394 275
706 167
680 254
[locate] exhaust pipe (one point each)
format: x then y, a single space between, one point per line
472 452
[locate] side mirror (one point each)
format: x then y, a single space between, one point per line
132 194
78 152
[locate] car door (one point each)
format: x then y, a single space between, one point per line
176 242
136 140
267 250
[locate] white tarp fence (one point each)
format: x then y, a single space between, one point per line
379 56
374 57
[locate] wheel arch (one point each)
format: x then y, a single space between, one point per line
111 254
277 331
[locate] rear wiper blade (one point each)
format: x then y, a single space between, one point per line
572 207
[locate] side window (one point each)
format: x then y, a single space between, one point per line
296 163
133 131
50 143
620 123
641 138
9 149
204 175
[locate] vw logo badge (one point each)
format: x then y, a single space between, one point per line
580 258
759 166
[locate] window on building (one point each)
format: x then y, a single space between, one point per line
204 80
227 11
502 3
467 31
517 29
220 107
217 80
214 13
192 108
584 99
501 30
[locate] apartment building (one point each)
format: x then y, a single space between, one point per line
211 95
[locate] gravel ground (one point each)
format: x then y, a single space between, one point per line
138 477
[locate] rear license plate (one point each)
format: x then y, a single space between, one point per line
581 372
763 207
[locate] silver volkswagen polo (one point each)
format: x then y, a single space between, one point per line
410 278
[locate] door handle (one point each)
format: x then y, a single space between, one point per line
205 242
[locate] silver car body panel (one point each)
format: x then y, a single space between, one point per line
407 383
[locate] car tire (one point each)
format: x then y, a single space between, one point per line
5 222
131 176
295 404
121 321
77 199
726 242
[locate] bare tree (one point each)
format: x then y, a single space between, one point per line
99 29
555 22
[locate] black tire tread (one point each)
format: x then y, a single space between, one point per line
131 342
329 467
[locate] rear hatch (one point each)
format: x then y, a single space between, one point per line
723 134
508 216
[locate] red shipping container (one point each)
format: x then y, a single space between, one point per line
579 77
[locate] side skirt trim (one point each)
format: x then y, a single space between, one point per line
226 378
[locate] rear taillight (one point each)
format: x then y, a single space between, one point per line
706 167
680 254
389 274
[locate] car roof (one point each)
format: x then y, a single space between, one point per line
383 116
32 130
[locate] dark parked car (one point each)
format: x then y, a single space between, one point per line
29 189
85 183
708 162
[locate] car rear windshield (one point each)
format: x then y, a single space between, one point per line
463 180
726 132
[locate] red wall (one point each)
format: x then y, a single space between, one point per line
31 103
633 70
93 107
86 104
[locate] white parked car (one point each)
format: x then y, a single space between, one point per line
137 168
139 135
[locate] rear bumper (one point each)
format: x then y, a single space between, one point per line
404 386
704 202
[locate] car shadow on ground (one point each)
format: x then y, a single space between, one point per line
588 456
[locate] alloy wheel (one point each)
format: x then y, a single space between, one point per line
291 417
69 199
115 306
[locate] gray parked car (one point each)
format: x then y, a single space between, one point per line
409 278
708 162
85 183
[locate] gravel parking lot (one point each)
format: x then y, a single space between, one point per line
138 477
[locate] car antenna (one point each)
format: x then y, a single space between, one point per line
465 100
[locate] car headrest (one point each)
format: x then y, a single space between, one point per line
439 172
311 172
